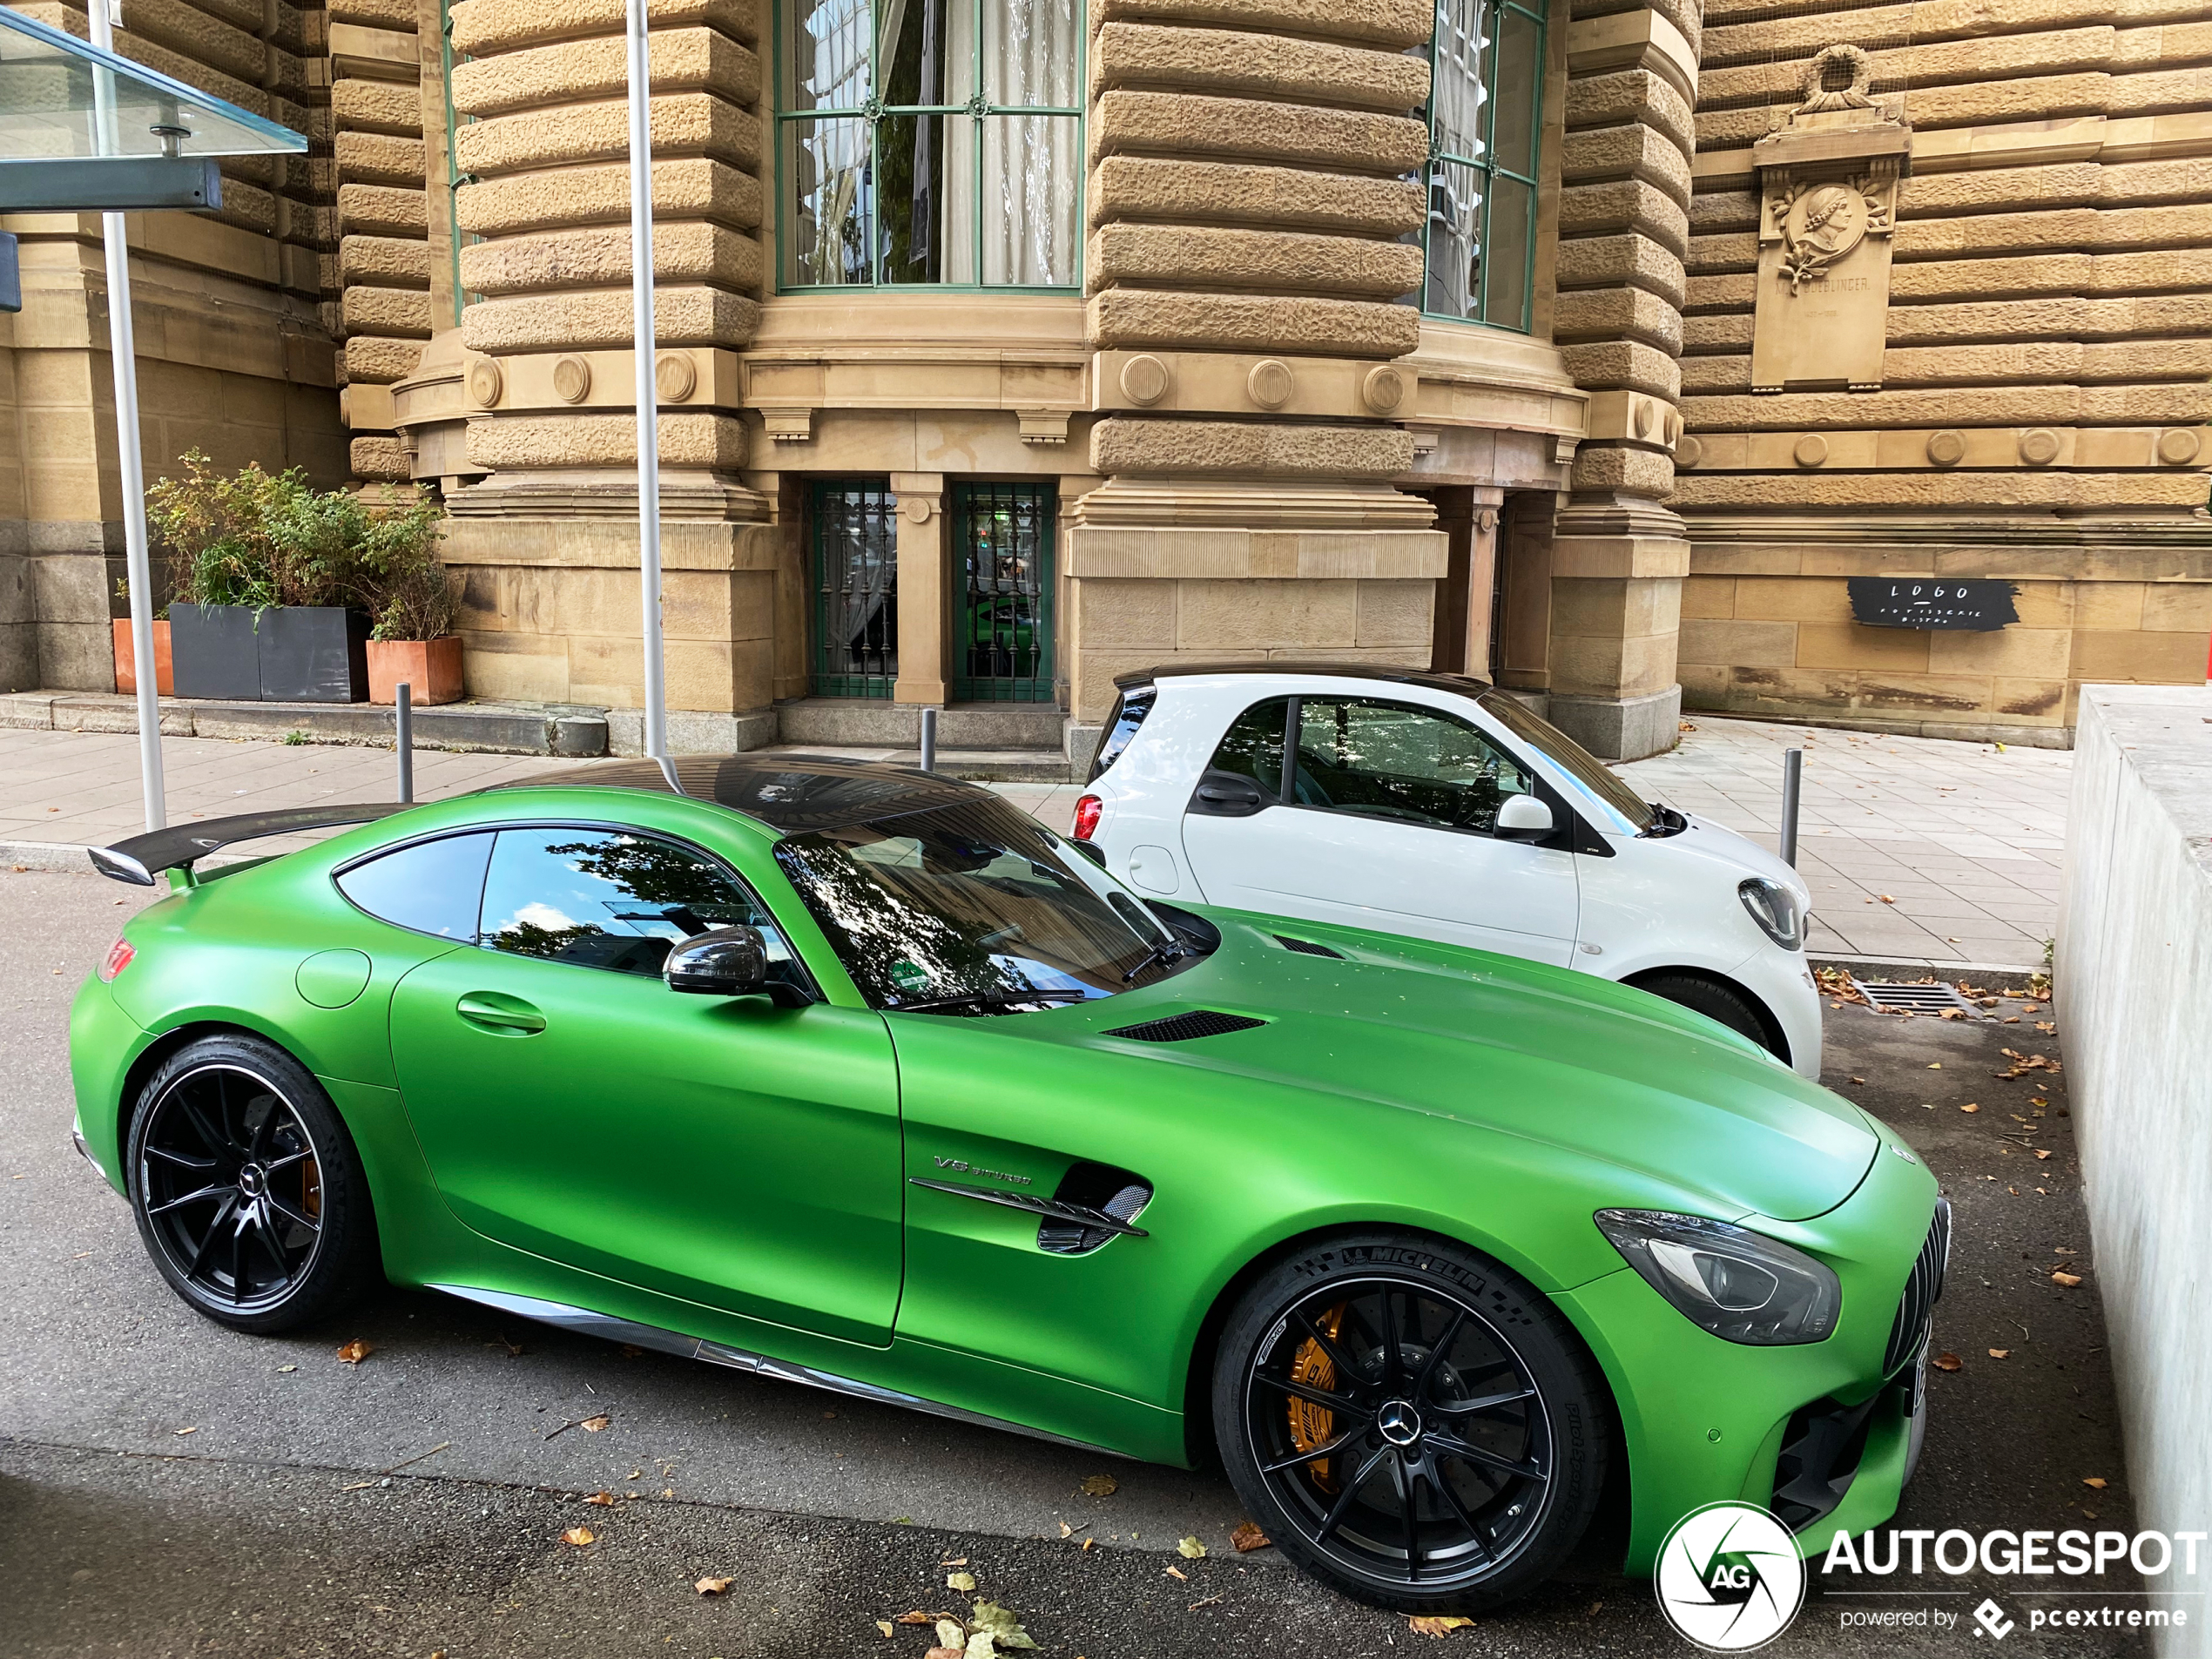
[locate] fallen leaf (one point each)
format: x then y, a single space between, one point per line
605 1500
1176 1572
884 1625
953 1561
952 1634
182 1431
1190 1549
2046 1027
1885 899
946 1653
1970 1107
716 1586
1947 1362
989 1618
960 1581
1247 1537
1935 1065
287 1367
2041 1153
2097 1480
2067 1279
1438 1624
579 1536
354 1352
593 1425
915 1618
2000 1354
1858 1080
1088 1542
1101 1485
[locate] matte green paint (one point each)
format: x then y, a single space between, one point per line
733 1172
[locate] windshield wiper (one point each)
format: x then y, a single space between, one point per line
1003 1000
1168 951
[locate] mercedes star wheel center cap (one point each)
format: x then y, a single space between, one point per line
1399 1423
252 1181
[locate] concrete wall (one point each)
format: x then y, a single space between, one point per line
2133 981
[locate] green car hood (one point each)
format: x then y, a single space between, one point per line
1598 1070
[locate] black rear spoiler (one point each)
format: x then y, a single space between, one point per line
141 857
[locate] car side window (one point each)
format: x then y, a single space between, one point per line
1380 759
431 887
611 899
1253 746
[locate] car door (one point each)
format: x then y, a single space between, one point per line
1388 825
722 1149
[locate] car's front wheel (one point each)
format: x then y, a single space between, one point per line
1410 1422
246 1188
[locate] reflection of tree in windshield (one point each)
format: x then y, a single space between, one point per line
521 938
958 902
655 872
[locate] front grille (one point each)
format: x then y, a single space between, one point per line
1922 1290
1182 1028
1306 946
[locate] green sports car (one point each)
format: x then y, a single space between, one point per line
858 1077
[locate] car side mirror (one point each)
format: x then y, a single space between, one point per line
722 961
1523 818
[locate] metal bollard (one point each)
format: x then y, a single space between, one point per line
403 719
929 740
1793 775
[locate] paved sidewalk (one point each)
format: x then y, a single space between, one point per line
1915 848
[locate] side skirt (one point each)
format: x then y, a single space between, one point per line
584 1322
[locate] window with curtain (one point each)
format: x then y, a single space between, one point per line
929 142
1484 123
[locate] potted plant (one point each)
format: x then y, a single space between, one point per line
412 598
127 670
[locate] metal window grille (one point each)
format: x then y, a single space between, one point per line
1003 540
1486 129
856 588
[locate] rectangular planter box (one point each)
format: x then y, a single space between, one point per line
431 669
285 654
126 672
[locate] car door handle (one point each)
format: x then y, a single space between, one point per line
489 1011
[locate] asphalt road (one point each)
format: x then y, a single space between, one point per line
167 1487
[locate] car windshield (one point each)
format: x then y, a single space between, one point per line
974 908
1569 756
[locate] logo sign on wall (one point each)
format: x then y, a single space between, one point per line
1729 1578
1979 605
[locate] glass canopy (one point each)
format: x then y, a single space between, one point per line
61 98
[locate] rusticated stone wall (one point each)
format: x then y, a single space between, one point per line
2042 395
1246 197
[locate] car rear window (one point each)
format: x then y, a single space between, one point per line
1130 710
432 886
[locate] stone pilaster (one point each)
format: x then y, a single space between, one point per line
925 589
1618 555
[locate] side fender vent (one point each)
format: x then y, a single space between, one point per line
1182 1028
1307 947
1102 1192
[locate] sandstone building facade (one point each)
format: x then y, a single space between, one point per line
1008 344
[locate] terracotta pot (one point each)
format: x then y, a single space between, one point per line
431 668
126 672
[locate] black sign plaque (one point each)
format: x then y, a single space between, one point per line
1977 604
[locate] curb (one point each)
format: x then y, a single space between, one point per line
1914 967
59 858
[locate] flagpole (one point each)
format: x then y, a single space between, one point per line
122 348
642 340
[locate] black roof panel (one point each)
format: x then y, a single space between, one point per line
1465 685
785 792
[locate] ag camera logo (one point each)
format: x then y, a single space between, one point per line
1729 1578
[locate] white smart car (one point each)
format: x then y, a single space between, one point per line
1440 807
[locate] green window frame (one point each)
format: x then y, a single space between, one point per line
1002 543
929 145
1485 133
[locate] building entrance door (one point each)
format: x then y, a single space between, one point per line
1003 538
856 586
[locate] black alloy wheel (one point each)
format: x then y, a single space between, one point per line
246 1186
1411 1423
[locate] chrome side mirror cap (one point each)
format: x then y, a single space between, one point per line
722 961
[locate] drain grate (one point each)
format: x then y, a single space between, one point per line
1937 998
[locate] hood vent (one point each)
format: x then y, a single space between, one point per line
1182 1028
1307 947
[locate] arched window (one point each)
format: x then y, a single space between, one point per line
1485 122
929 142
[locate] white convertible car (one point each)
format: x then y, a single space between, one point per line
1440 807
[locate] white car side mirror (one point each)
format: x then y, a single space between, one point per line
1523 818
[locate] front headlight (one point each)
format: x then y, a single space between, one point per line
1774 907
1727 1279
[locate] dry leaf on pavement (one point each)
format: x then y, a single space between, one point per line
354 1352
605 1499
1101 1485
915 1618
1438 1624
2000 1354
1190 1549
716 1586
1247 1536
579 1536
960 1581
946 1653
998 1624
2067 1279
1176 1572
884 1625
1948 1362
593 1425
2097 1480
1971 1106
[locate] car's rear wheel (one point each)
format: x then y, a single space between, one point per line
1715 1002
246 1188
1410 1422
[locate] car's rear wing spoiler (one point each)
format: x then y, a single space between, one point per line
141 857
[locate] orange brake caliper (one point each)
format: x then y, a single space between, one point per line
1312 1425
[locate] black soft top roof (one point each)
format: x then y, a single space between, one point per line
785 792
1465 685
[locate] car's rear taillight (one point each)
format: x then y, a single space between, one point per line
118 958
1087 812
